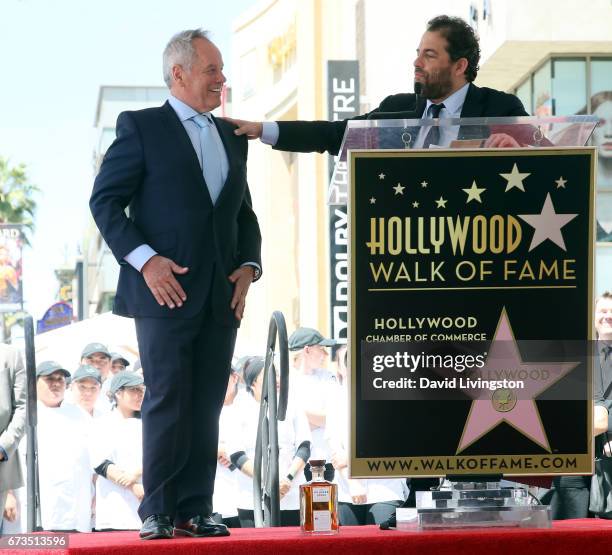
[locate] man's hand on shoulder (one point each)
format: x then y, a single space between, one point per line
241 278
158 273
252 129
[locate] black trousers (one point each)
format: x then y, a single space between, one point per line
186 365
569 497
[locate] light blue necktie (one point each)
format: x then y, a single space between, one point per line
211 164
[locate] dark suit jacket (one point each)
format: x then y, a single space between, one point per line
321 136
152 168
602 388
13 391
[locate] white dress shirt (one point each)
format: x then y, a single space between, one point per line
452 109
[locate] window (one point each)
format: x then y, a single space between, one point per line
542 94
248 73
601 75
569 89
574 85
524 93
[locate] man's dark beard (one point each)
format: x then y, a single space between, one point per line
438 85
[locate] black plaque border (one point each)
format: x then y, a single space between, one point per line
361 467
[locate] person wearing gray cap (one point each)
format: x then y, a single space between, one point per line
188 252
312 382
118 362
98 356
85 387
117 456
65 473
294 444
309 337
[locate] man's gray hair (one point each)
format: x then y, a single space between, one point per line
180 50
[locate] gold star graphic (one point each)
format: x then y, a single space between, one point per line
399 189
561 183
441 202
514 179
547 224
474 193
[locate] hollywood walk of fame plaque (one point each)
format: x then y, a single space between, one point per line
471 311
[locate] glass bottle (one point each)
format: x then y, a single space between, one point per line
319 503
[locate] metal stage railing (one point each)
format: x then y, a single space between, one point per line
32 486
272 409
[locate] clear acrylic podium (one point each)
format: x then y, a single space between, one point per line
480 500
392 134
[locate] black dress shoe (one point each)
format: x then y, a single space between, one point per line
391 522
201 527
156 527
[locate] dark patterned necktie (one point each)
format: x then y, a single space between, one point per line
433 136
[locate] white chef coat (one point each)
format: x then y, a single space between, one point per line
119 440
292 431
225 497
64 468
103 405
311 392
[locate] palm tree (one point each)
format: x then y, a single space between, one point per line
17 204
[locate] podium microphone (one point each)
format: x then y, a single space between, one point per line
418 89
408 114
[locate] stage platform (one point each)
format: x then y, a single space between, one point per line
565 538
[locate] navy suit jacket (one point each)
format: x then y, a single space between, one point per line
152 169
321 136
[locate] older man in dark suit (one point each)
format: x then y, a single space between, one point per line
189 249
12 420
444 69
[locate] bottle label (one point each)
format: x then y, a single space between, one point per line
322 521
320 495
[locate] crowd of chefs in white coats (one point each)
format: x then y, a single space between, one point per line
90 442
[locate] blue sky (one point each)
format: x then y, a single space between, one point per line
54 55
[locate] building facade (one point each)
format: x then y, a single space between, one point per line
97 273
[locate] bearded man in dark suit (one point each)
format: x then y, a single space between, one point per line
445 68
189 249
